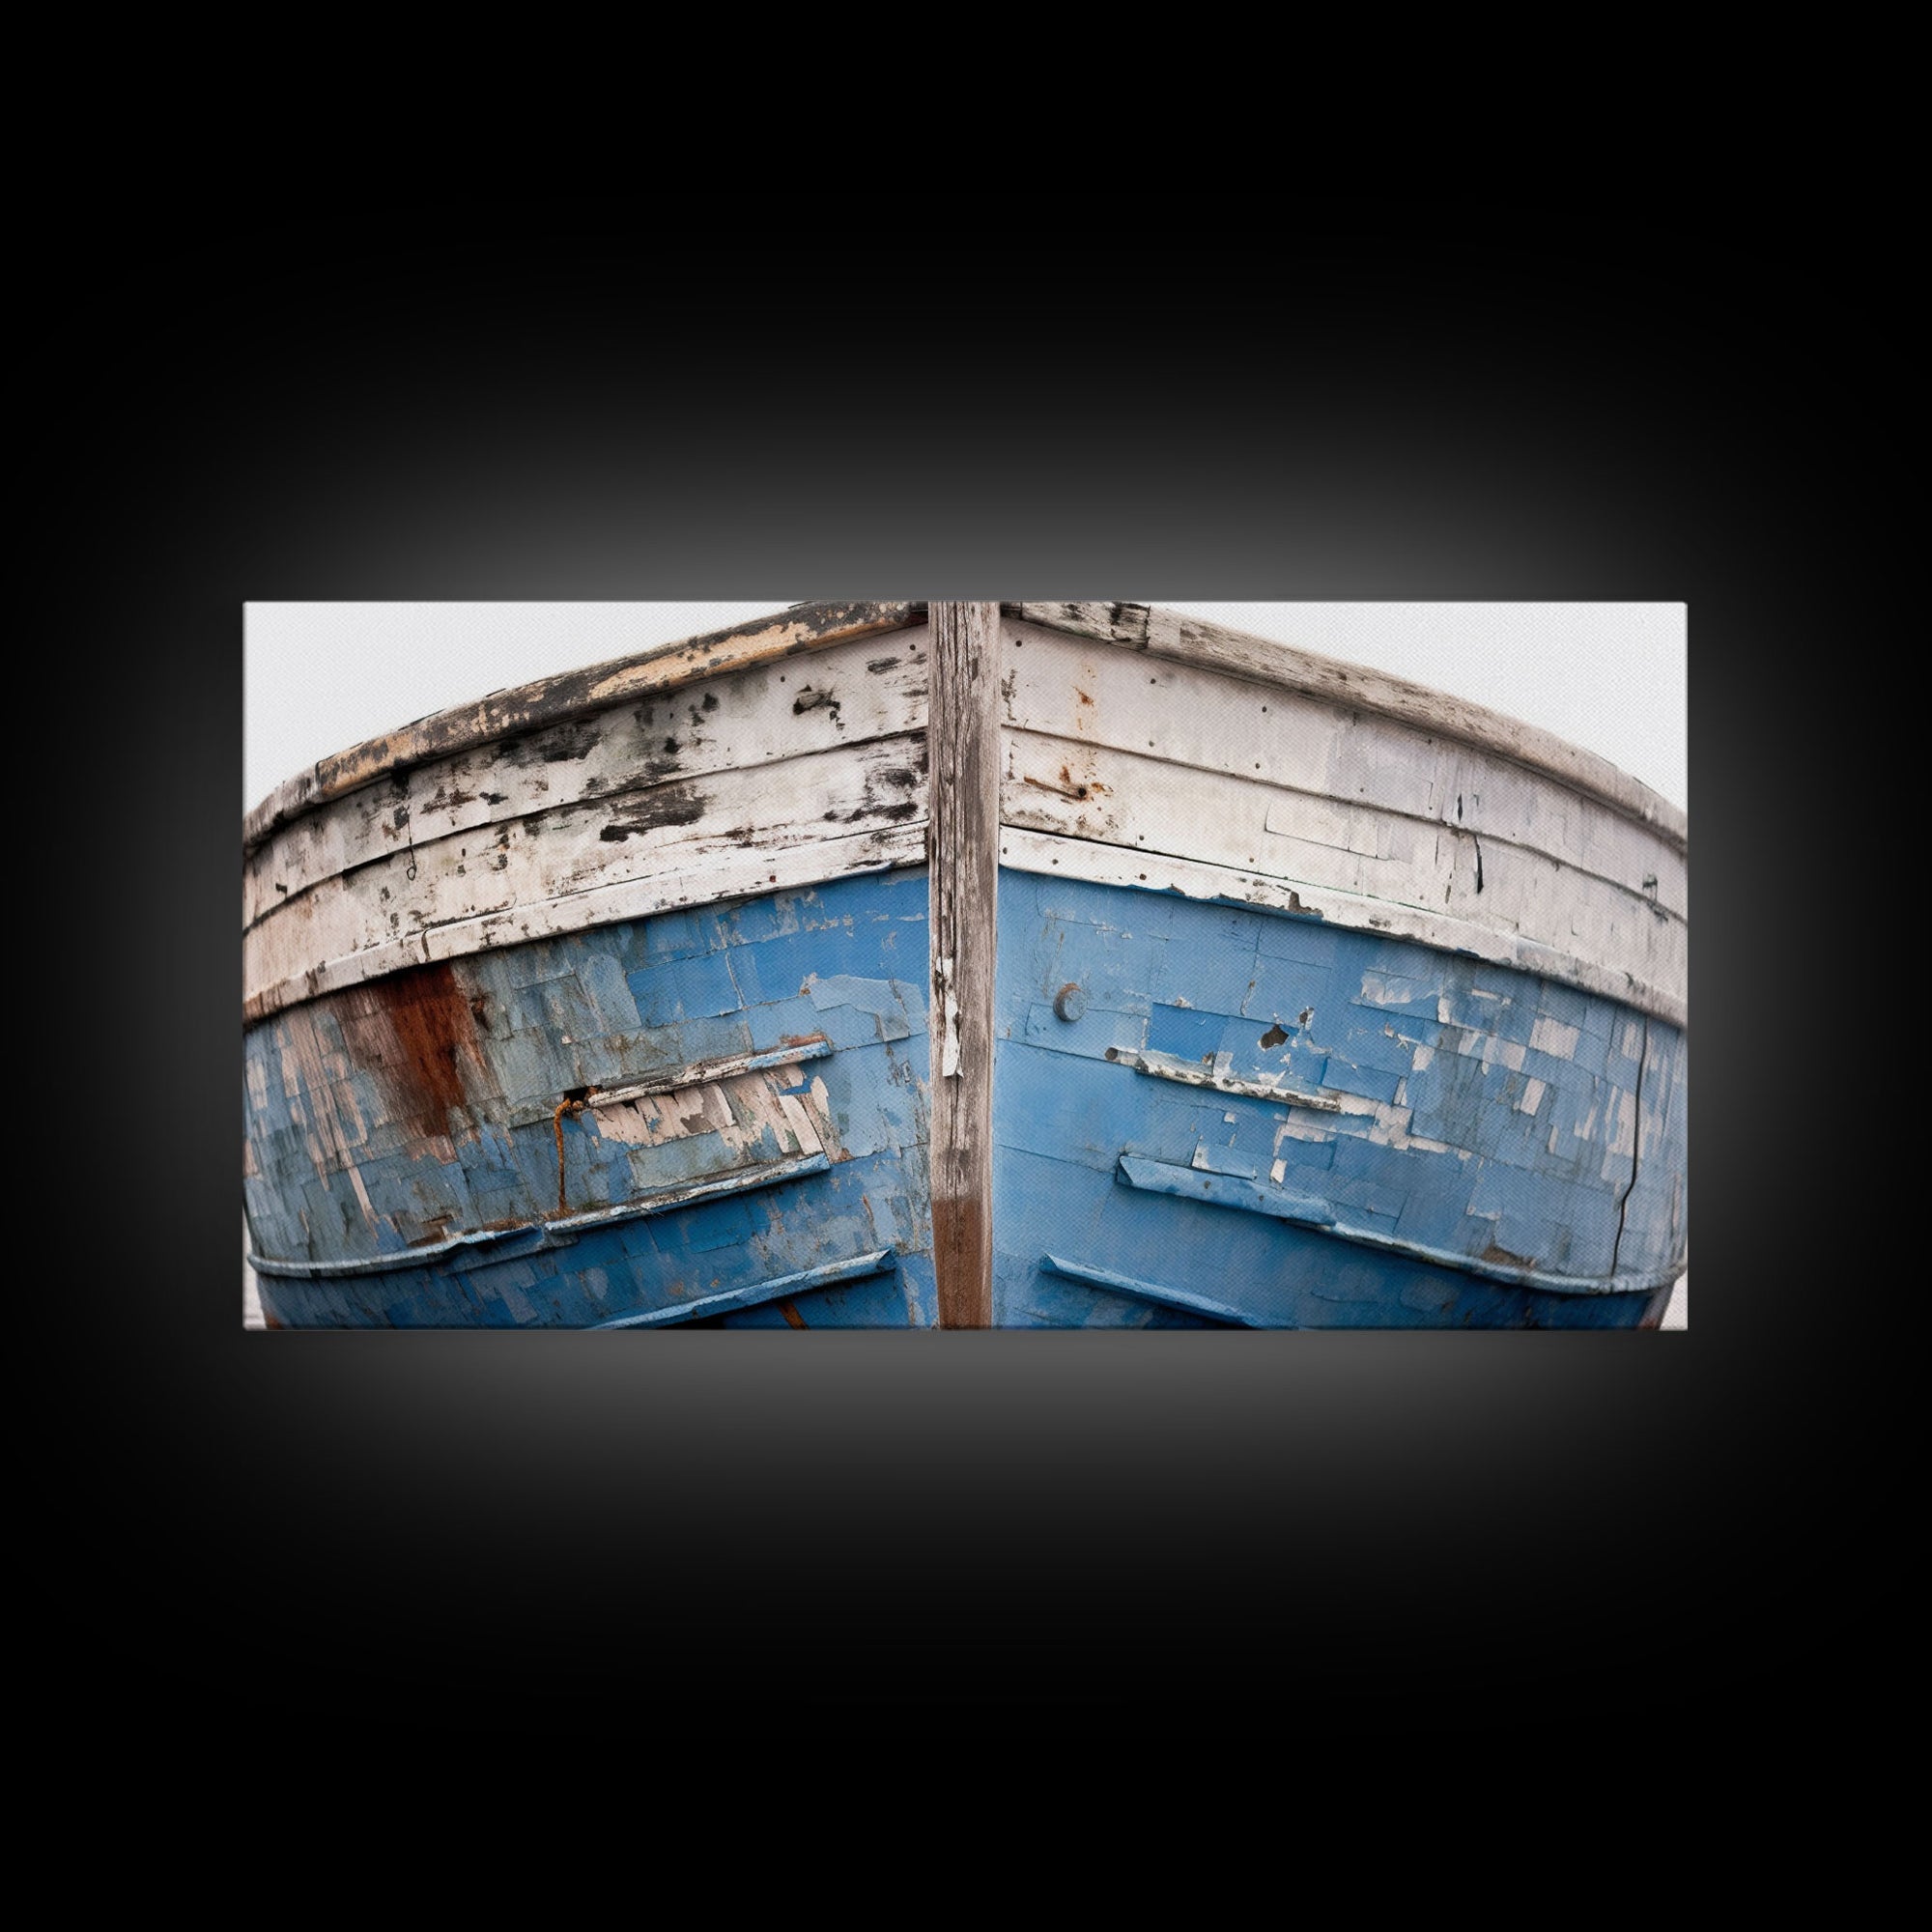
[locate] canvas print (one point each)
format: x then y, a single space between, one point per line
971 965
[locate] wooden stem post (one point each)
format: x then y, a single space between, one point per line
964 863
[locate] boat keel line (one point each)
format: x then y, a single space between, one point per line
963 858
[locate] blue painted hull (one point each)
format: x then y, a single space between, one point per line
1399 1137
414 1160
624 998
1466 1158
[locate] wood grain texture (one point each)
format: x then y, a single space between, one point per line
963 743
1166 634
555 701
734 722
1202 776
773 772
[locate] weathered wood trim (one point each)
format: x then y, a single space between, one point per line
550 1231
1257 1196
882 1260
1234 824
702 1072
708 733
1332 772
552 700
1162 634
524 865
1190 1073
964 753
1160 1296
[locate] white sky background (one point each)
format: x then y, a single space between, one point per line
319 678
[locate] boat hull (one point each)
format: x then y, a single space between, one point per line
410 1163
1068 967
1218 1114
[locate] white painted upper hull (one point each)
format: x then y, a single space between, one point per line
1135 748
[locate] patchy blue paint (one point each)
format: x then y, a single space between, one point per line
404 1137
1234 1118
1473 1165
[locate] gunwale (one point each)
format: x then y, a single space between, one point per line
1143 631
816 626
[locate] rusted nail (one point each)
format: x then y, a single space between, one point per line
572 1107
1069 1003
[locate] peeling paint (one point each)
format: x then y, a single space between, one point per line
1553 1037
1440 1123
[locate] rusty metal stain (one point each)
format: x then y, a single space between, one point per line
424 1025
414 1044
573 1108
1066 789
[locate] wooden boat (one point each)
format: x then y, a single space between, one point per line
966 965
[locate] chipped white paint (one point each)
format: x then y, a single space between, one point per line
824 1120
729 723
702 1072
1106 865
1160 636
1553 1037
1229 767
739 1111
1391 1125
546 858
1214 1074
1135 747
638 678
277 976
949 1020
717 770
1624 1142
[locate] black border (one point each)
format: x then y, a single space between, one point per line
1340 1535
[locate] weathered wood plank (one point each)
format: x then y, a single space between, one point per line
964 882
1055 856
1351 766
1135 804
552 700
272 982
735 823
1393 827
1162 634
843 695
